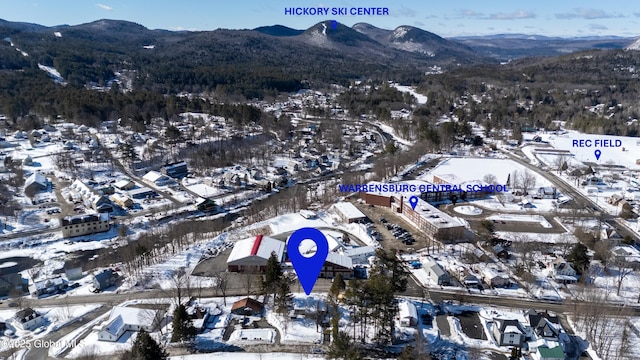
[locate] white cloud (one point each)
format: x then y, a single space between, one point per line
104 7
597 27
516 15
470 13
586 13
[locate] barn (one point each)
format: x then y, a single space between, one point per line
252 254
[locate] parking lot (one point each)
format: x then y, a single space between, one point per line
389 240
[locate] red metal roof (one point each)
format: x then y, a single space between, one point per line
256 245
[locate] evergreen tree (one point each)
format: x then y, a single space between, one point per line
145 348
342 348
284 298
487 230
579 257
394 269
183 329
337 287
273 275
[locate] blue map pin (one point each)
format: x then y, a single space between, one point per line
308 268
413 201
597 153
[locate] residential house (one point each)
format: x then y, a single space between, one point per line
546 193
205 204
508 332
90 196
542 326
563 271
124 318
492 275
408 315
122 200
27 319
104 279
175 170
546 353
248 307
47 286
124 184
231 179
199 316
155 178
35 183
437 273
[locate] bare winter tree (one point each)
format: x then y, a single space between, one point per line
527 181
560 163
181 282
490 179
624 269
222 281
603 330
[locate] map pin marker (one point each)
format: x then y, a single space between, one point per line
413 201
308 268
597 153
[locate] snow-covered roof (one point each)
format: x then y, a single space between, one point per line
119 198
141 190
349 210
114 326
134 316
259 246
154 176
407 309
362 250
491 272
36 178
340 260
433 215
435 267
122 183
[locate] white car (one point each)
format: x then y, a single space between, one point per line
40 329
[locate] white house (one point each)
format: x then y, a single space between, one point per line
436 272
27 319
155 178
407 313
124 318
508 332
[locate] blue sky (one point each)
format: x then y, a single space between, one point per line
445 18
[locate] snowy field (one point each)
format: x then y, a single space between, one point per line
522 218
625 155
467 210
474 169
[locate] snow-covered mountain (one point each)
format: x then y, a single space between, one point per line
634 45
